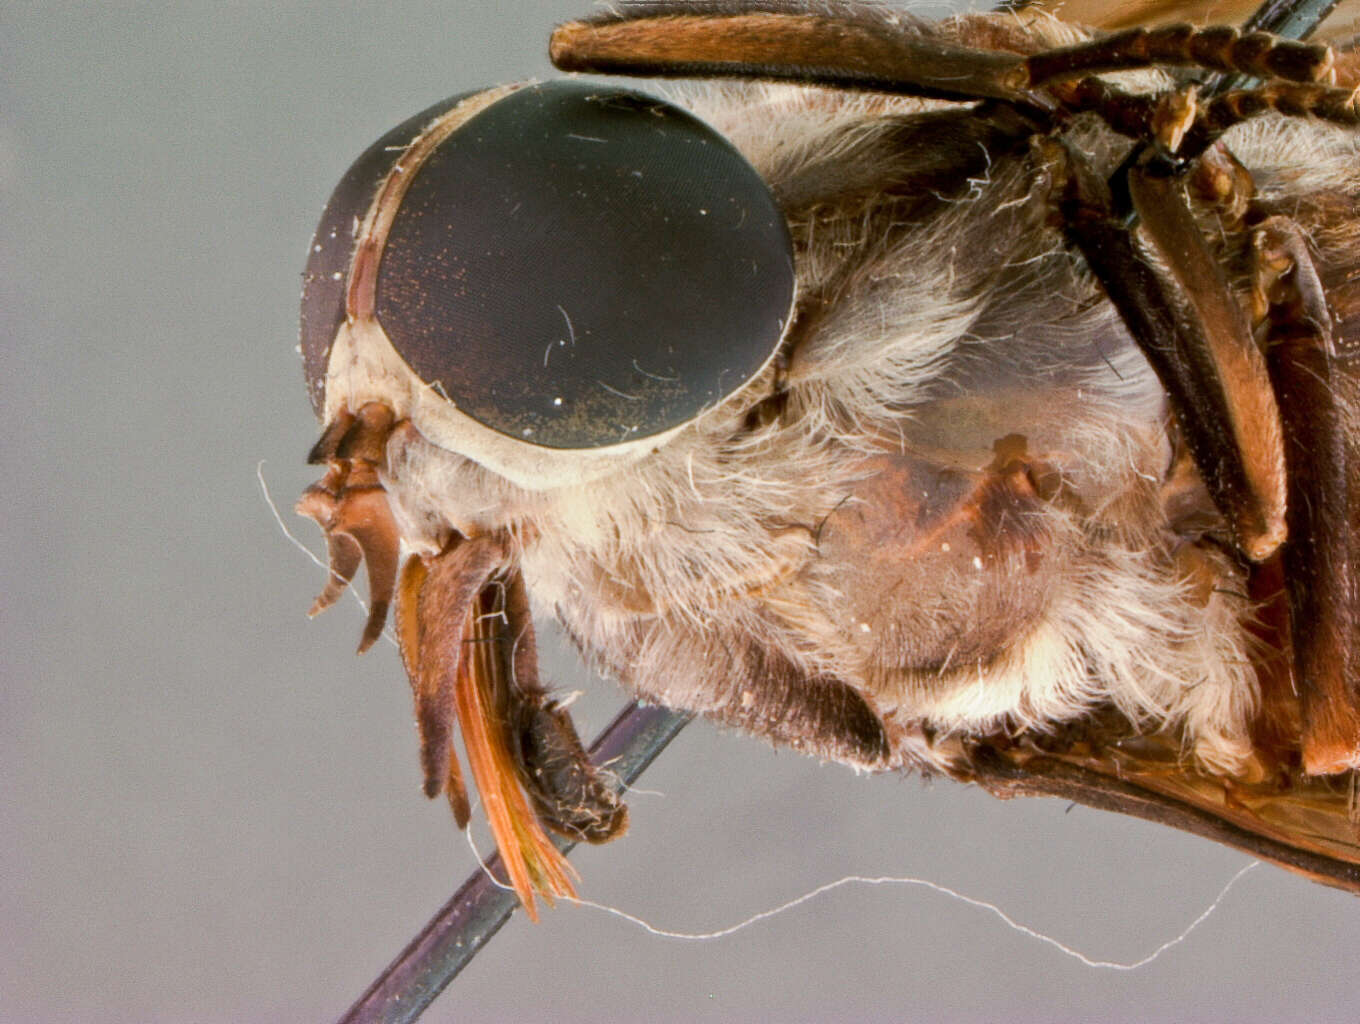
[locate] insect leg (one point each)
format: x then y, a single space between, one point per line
1225 371
1216 48
861 47
843 45
1202 123
1348 64
1319 558
1180 312
1293 100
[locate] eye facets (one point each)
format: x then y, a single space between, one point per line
578 266
328 259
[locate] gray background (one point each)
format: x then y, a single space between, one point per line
210 808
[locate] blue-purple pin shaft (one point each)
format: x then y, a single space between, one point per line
477 910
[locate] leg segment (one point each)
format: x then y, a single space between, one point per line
842 45
1181 314
1141 116
1319 560
860 47
1226 388
1216 48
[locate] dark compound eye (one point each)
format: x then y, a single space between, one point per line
577 266
324 280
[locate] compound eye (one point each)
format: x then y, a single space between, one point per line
324 281
578 266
